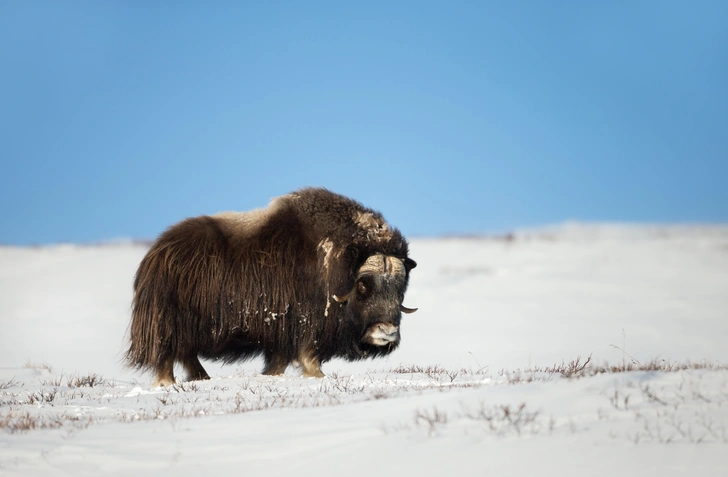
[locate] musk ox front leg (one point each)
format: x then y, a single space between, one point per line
311 364
275 364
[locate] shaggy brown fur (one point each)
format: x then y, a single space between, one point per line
308 278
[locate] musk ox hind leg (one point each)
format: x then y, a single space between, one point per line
164 372
275 364
194 369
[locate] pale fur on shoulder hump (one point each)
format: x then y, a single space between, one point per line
248 224
334 222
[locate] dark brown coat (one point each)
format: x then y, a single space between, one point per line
313 276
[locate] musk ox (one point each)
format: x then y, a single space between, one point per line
313 276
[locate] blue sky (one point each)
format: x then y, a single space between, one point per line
118 119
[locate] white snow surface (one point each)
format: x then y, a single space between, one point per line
468 392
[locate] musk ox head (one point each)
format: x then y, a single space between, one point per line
374 305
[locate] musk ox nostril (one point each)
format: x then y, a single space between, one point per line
382 334
387 329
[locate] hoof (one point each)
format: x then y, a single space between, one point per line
163 382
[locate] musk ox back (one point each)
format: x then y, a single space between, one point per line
313 276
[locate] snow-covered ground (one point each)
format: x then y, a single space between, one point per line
472 390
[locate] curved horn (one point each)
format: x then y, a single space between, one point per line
343 299
407 310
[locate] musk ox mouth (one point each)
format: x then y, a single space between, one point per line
381 334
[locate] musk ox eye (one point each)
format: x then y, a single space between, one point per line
361 289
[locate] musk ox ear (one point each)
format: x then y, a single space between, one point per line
352 258
353 252
409 264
